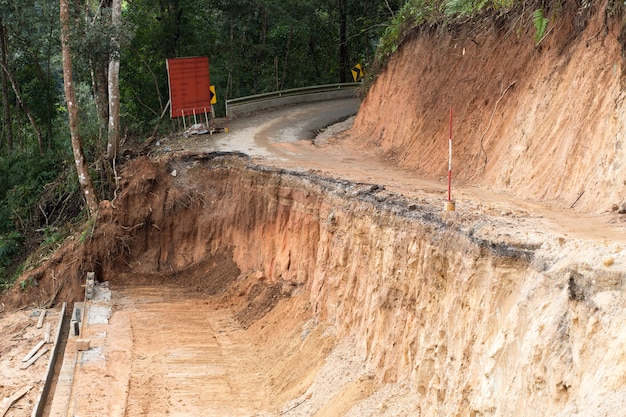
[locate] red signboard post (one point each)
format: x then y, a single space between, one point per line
189 82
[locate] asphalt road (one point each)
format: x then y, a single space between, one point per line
256 135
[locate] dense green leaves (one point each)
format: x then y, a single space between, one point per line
21 182
254 46
541 23
419 12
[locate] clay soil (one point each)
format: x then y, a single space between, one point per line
178 351
19 335
220 338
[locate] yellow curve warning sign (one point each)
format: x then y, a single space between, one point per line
357 72
212 94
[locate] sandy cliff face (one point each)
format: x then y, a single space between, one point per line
544 122
466 323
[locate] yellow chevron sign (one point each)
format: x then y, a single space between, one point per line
213 95
357 72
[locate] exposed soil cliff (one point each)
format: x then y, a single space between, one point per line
371 302
544 122
439 305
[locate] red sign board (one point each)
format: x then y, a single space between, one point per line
189 86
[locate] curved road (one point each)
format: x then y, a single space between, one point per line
258 135
283 137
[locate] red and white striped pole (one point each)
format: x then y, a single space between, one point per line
450 159
449 203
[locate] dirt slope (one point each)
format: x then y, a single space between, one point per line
544 122
367 301
462 313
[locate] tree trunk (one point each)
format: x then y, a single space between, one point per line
99 80
72 111
99 68
343 41
31 118
5 89
114 88
16 90
282 83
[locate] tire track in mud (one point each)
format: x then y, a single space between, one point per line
188 357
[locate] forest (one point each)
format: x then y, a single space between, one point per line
254 46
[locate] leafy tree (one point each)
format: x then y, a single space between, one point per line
72 107
272 45
29 44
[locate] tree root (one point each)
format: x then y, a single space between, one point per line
495 107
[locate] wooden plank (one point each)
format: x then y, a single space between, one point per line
46 334
42 315
34 358
7 402
33 351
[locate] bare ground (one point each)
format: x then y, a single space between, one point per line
529 173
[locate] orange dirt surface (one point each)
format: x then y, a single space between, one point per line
19 335
168 350
323 278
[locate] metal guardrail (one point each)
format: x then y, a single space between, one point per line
238 107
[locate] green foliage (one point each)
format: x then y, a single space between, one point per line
22 179
504 4
27 283
87 231
52 237
32 36
541 24
416 13
413 13
9 247
253 47
464 7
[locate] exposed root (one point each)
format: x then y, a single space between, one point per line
132 227
495 107
55 294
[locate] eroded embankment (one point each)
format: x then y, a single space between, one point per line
535 119
468 326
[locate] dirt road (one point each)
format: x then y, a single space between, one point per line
285 138
167 352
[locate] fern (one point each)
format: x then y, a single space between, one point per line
541 23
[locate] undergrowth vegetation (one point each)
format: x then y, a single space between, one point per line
9 246
419 12
38 197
